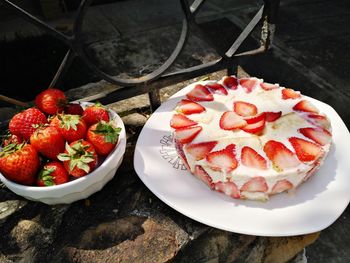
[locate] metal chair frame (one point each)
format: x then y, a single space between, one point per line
159 78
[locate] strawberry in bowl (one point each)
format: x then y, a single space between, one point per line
55 161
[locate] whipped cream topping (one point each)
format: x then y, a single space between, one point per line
280 130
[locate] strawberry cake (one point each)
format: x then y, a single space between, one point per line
249 139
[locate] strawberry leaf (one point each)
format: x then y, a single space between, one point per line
69 121
83 166
108 130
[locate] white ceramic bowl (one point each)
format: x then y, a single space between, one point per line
79 188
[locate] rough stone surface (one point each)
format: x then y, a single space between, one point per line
281 249
129 239
7 208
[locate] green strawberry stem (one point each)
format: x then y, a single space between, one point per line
110 132
46 177
11 148
69 121
78 156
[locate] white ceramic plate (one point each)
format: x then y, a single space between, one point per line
315 205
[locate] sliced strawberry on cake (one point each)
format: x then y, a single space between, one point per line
318 135
290 94
181 121
228 188
255 124
200 93
244 109
281 157
230 82
256 184
281 186
223 160
251 158
217 88
318 120
248 84
200 150
272 116
180 151
230 120
306 151
268 86
305 106
188 107
186 135
201 174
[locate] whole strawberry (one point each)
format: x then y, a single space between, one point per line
79 159
74 109
53 173
23 124
19 163
72 127
48 141
95 113
51 101
103 136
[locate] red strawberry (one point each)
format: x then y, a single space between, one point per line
223 160
230 120
320 136
53 173
281 186
74 109
218 88
103 136
306 106
19 163
251 158
95 113
305 150
200 150
79 158
290 94
319 120
48 141
23 123
188 107
9 138
181 121
256 118
186 135
228 188
200 93
272 116
256 184
180 151
72 127
201 174
230 82
282 158
255 124
248 84
268 86
51 101
245 109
